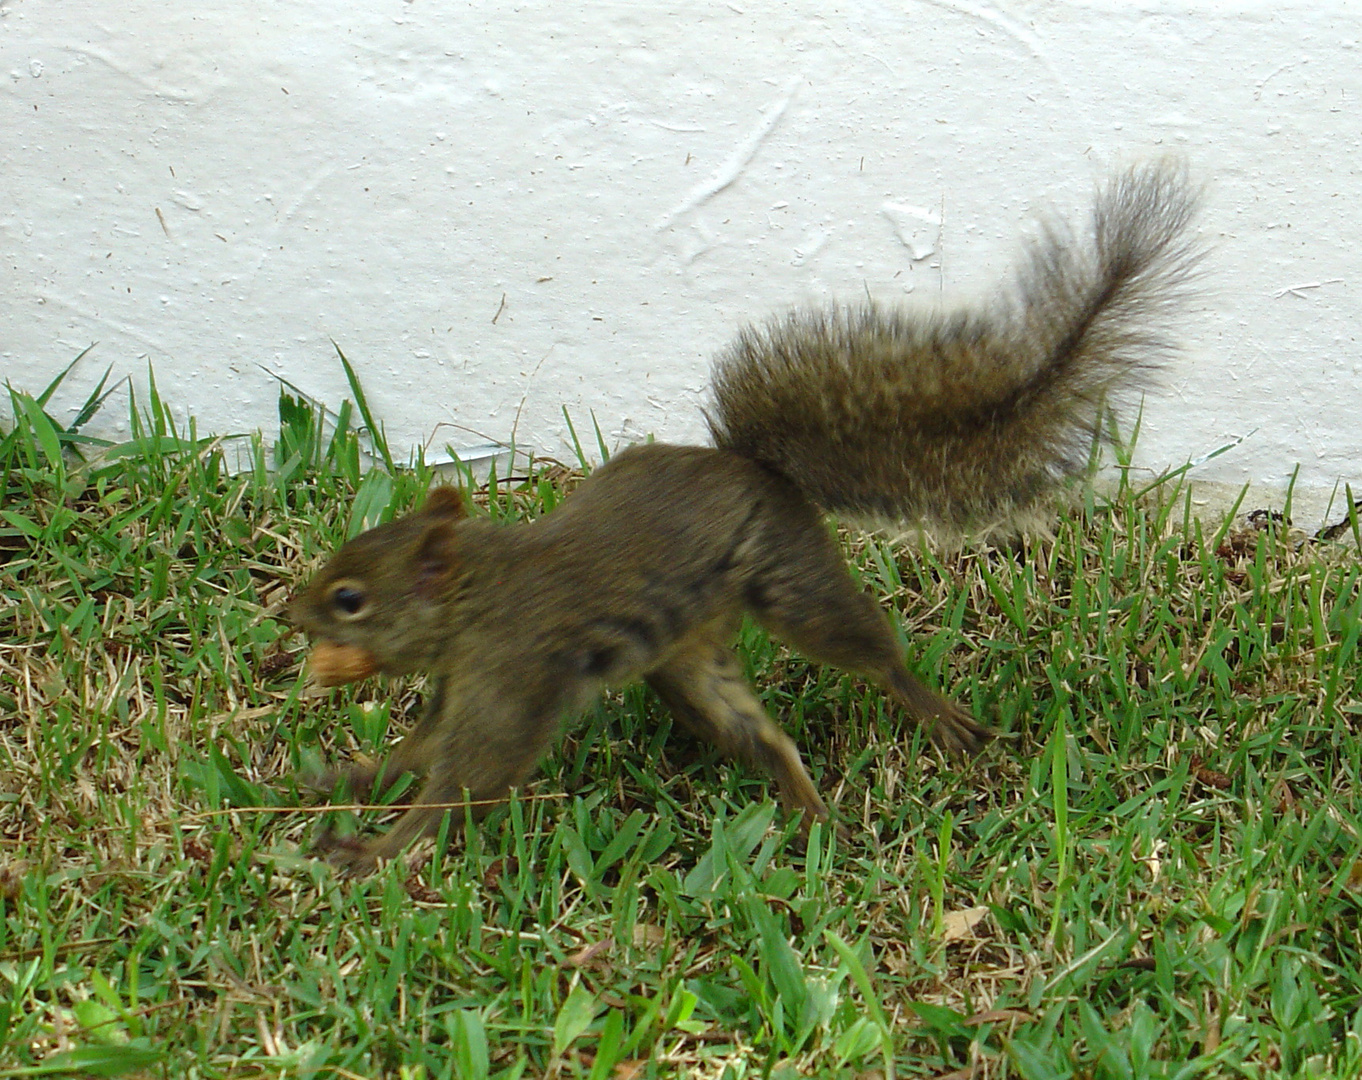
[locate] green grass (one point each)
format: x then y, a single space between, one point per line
1158 874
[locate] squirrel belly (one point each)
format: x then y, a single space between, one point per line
959 421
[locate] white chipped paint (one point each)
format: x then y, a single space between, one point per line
499 211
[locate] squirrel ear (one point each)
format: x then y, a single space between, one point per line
445 502
437 556
437 553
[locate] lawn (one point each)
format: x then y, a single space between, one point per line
1157 872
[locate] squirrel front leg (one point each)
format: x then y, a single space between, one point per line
479 747
438 797
412 754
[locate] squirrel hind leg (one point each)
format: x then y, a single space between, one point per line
949 726
704 687
821 613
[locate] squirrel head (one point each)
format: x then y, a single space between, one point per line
382 603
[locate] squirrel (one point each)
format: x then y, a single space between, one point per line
960 421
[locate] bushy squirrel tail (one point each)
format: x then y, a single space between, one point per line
964 421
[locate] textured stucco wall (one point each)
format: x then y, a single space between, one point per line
498 211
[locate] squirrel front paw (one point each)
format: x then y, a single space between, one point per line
357 779
350 855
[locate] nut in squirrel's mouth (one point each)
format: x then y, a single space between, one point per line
335 665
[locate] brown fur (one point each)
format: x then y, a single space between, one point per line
645 571
962 422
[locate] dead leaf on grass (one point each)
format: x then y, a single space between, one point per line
649 936
960 924
999 1016
583 957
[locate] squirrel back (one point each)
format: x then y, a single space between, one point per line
963 422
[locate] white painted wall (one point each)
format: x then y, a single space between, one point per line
501 210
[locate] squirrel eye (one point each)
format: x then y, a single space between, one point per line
347 599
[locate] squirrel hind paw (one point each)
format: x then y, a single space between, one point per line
960 735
